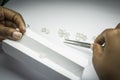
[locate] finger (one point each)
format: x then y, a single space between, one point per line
10 33
8 24
1 13
15 18
97 50
118 26
19 22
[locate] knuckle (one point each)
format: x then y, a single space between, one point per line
17 16
109 32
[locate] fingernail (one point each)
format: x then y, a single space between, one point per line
17 35
17 29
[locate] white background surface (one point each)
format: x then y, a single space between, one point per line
87 17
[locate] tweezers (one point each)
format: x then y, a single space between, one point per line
78 43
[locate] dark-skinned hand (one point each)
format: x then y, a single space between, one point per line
106 59
12 25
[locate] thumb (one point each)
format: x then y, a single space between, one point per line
97 49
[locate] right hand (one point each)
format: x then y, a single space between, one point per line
106 59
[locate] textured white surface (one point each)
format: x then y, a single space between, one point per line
63 61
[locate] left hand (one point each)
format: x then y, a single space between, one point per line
9 21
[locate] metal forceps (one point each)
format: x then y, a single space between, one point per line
78 43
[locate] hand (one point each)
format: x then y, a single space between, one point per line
9 21
106 59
